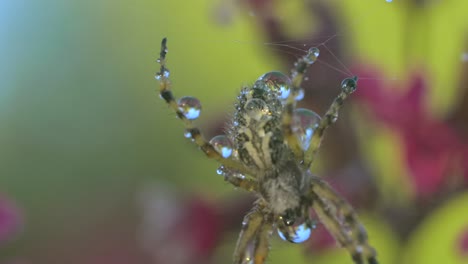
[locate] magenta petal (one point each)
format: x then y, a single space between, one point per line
10 219
205 226
430 145
463 243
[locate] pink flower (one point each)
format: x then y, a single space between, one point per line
431 145
179 230
463 244
10 219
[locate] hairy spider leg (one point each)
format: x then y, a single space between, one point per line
348 86
297 76
248 184
263 237
195 134
251 226
342 222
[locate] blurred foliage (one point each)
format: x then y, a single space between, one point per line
82 129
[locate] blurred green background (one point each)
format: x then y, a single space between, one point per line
83 131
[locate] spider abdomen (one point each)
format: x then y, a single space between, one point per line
256 127
281 187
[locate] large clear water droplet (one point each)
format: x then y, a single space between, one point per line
305 122
277 81
257 109
349 85
222 145
190 107
297 233
312 55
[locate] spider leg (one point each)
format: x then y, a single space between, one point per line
243 182
193 131
263 246
251 229
348 86
341 221
297 75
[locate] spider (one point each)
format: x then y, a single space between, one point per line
268 150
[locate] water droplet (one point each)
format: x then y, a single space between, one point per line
312 55
300 94
187 134
305 122
222 145
164 74
256 109
190 107
349 85
297 233
277 81
220 170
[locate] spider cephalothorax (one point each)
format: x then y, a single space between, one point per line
268 150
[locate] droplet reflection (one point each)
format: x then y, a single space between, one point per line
305 122
190 107
296 233
312 55
256 109
222 145
277 81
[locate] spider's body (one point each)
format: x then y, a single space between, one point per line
259 142
268 150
